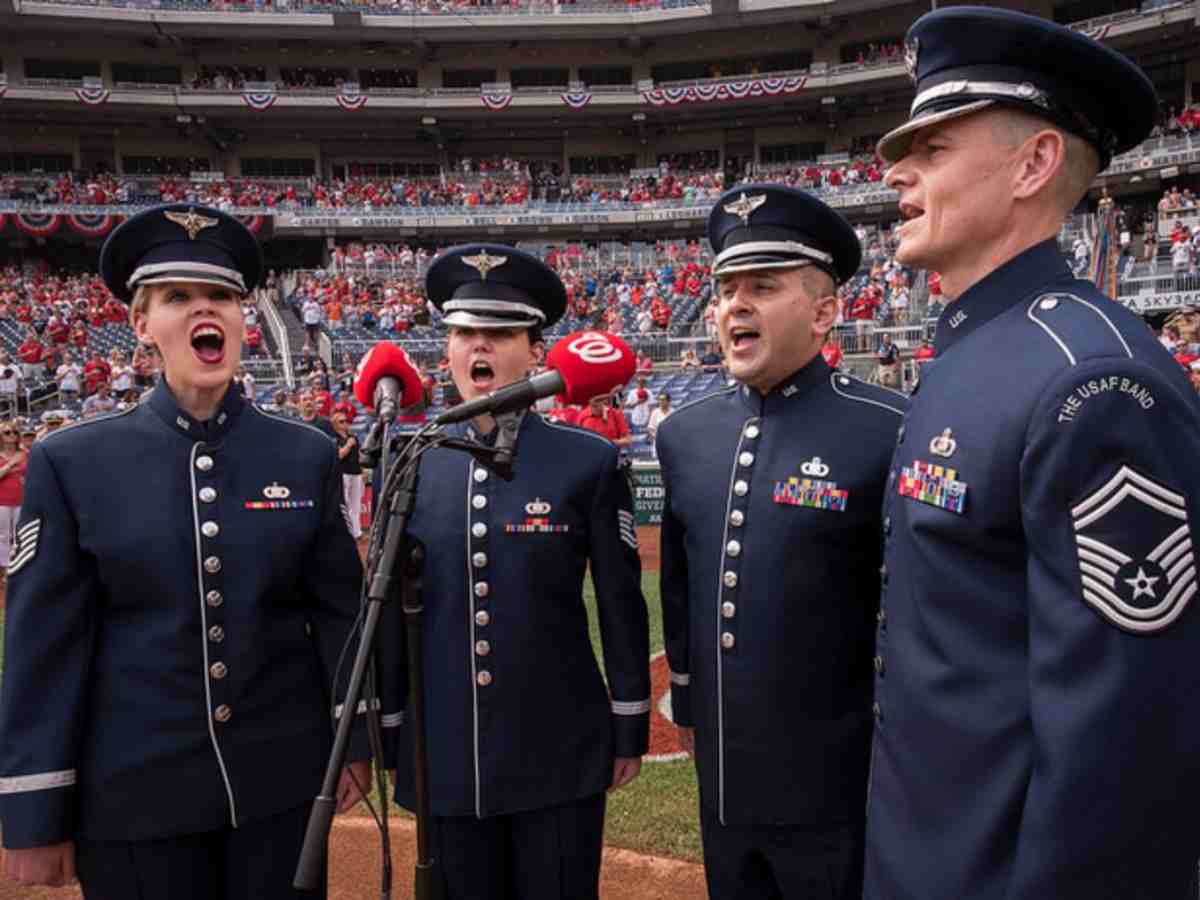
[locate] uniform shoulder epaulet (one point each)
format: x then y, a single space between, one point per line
82 423
851 388
575 429
707 398
287 421
1078 326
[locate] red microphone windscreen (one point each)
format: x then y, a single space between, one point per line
382 360
592 363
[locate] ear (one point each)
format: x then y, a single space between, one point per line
825 311
537 350
140 328
1042 157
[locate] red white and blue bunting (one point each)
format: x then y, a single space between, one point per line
254 223
93 96
91 225
351 100
260 101
38 224
726 90
577 99
496 101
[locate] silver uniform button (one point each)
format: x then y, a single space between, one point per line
730 579
843 380
218 670
207 494
740 488
728 640
212 565
752 432
484 678
214 598
1049 303
481 589
482 618
737 517
733 548
479 501
223 713
483 648
481 475
479 560
216 634
204 463
728 610
746 459
479 530
210 529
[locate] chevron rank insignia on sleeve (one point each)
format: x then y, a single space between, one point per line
1135 552
25 547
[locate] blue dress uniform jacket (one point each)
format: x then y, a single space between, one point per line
177 604
518 714
1037 735
770 583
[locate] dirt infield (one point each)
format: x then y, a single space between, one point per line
354 872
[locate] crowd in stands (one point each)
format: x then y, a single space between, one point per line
509 184
1184 122
866 169
883 53
226 78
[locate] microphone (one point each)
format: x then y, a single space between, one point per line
583 365
387 380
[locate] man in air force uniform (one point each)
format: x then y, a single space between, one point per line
1036 735
770 559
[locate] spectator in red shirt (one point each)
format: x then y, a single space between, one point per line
832 352
254 339
345 408
32 355
644 362
57 331
604 419
115 312
79 335
96 371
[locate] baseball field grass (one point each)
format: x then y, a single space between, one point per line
658 812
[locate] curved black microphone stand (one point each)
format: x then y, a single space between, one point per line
398 549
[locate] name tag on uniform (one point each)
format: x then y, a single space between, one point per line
934 485
811 492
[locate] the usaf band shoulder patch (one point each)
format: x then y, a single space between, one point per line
1135 552
25 547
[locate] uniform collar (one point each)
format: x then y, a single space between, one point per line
163 402
794 386
999 290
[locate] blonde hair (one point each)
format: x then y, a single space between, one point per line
140 303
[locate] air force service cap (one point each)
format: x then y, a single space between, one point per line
967 58
769 226
180 242
493 286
